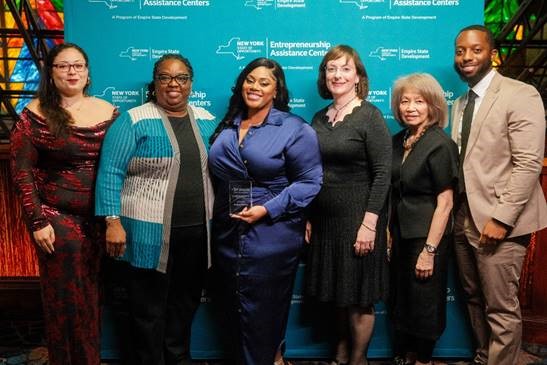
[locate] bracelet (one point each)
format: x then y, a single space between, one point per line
367 227
111 217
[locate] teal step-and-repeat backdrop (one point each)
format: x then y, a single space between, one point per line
394 37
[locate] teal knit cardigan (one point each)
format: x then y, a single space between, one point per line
137 177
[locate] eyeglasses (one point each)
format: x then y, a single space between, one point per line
65 67
344 69
181 79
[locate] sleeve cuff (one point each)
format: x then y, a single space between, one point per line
273 208
505 215
38 224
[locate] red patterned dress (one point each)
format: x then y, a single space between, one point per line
56 177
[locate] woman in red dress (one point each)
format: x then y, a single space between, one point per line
54 153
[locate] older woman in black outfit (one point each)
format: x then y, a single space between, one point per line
347 264
424 174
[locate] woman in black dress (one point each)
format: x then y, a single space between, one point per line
347 265
424 174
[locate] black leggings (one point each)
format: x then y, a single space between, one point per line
405 342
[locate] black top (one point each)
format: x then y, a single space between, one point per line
356 151
430 167
188 202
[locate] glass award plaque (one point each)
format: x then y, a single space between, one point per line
240 195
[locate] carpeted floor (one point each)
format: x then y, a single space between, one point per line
38 356
21 343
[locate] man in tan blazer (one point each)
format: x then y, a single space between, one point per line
500 128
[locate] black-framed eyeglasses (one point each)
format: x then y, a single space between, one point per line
65 67
181 79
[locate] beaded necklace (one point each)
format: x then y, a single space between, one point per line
408 142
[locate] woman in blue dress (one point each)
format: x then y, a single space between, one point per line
256 249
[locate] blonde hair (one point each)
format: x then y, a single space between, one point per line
432 92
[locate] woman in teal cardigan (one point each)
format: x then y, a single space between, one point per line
154 191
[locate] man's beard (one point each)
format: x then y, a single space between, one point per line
473 80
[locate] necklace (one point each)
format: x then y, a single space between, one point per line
70 105
409 142
338 110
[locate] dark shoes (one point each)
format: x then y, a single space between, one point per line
398 360
476 361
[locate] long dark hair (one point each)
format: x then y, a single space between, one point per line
168 56
57 117
237 104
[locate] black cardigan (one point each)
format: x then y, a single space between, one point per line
430 167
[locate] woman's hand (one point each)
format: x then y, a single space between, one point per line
115 238
45 238
389 246
307 235
251 215
424 265
441 215
365 241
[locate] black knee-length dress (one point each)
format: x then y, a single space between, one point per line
356 156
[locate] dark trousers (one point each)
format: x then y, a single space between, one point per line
405 342
162 306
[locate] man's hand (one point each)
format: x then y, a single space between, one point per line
492 233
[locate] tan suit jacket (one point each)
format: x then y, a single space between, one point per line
504 156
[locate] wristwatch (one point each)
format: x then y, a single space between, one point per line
430 248
111 217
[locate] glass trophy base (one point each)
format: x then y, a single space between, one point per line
240 195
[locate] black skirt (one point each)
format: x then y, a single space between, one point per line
418 306
334 273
